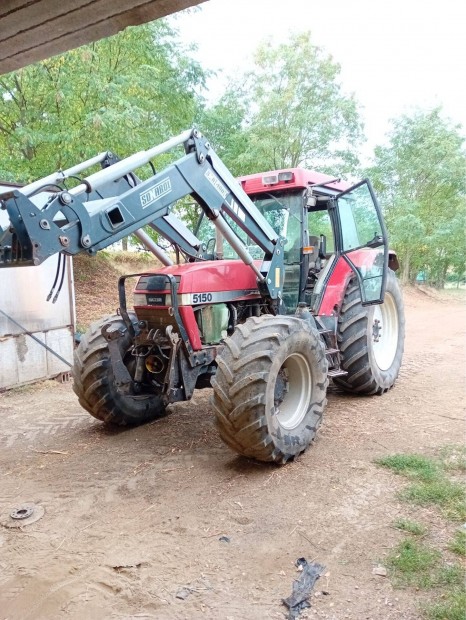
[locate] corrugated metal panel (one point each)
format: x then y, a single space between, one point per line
8 364
31 358
23 360
61 341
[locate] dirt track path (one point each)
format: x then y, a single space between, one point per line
133 516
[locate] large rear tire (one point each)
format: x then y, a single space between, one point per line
371 340
94 381
270 388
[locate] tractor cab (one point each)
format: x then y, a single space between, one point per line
333 231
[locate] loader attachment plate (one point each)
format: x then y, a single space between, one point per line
16 248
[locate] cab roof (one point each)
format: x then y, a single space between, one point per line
288 178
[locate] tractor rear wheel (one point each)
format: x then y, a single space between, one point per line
371 340
270 388
94 382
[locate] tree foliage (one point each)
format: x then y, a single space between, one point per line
421 177
138 88
289 110
224 124
123 93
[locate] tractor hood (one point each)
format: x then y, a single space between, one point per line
203 282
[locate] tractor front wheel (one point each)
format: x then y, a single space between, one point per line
371 340
94 382
270 388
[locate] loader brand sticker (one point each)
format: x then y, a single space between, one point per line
214 181
155 192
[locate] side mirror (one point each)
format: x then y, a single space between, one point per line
375 242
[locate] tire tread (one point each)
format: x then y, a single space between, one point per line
353 338
239 403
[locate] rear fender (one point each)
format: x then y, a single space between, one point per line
337 282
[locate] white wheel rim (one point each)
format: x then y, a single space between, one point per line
291 410
385 332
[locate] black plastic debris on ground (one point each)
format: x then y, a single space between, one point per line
299 599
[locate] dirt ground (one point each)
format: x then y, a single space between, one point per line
133 517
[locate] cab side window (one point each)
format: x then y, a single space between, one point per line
319 224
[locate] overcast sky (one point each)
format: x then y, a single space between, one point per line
394 55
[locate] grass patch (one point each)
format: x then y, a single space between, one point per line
453 458
451 575
412 563
411 465
453 607
449 496
412 527
430 484
458 544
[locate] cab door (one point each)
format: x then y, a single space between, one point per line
362 239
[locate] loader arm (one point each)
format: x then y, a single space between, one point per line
113 203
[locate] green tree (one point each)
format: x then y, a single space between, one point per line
124 93
289 110
421 178
223 123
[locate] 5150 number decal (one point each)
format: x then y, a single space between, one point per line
201 298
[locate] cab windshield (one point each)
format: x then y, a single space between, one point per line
282 211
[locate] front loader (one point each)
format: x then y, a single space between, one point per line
285 282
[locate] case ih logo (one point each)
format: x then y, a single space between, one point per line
155 192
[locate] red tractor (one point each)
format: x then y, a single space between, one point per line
285 282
